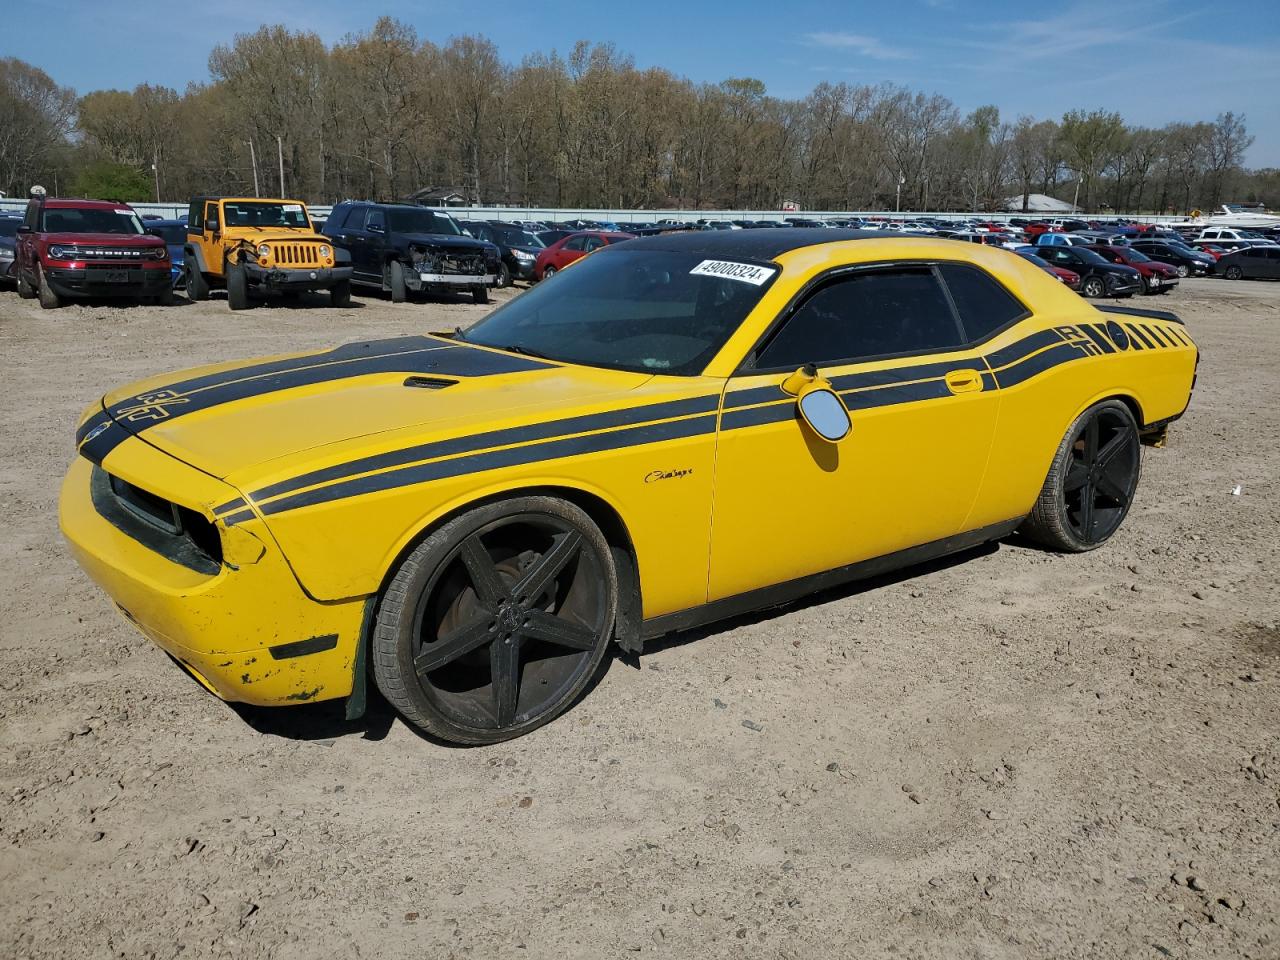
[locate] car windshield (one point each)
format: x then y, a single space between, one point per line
517 238
1088 256
251 213
649 311
95 220
1133 256
9 228
171 233
421 220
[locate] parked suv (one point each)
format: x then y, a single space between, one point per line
253 244
398 247
1098 277
519 249
88 248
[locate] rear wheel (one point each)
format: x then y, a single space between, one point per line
1184 271
25 290
1233 273
504 275
395 280
480 294
1093 287
340 294
49 299
197 285
1091 481
497 622
237 287
548 272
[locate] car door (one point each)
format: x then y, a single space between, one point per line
788 504
573 248
371 245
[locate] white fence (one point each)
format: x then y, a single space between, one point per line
551 215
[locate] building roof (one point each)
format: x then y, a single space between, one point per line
1038 203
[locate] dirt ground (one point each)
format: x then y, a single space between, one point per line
1011 754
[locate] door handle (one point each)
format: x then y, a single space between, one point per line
964 381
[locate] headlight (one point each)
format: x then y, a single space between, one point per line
264 250
62 253
522 256
161 254
324 251
6 253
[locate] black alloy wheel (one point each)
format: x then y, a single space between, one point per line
1233 272
1092 481
497 622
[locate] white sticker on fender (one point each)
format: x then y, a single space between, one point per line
746 272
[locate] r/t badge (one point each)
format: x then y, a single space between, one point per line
151 406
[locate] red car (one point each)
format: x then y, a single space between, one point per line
1208 247
1157 277
573 247
88 248
1036 227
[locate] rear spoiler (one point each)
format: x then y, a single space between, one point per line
1140 312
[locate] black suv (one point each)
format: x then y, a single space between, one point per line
400 247
1189 263
518 247
1098 277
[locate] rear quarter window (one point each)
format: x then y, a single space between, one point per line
983 303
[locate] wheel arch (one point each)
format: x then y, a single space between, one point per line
603 512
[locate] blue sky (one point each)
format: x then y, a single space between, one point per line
1154 61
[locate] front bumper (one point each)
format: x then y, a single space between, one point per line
521 270
118 281
309 278
1123 287
245 630
1156 283
429 281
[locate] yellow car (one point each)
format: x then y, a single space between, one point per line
678 429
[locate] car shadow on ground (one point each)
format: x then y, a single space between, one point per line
318 722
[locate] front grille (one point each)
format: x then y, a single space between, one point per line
465 264
170 529
297 254
110 254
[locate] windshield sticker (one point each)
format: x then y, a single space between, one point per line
293 208
746 272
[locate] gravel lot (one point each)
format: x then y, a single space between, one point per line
1011 754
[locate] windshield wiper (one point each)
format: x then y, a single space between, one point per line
524 351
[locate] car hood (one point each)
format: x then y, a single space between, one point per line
105 239
449 240
255 422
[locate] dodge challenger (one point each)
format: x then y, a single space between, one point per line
673 430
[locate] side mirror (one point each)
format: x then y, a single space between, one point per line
23 228
825 414
211 225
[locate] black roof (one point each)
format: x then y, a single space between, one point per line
751 244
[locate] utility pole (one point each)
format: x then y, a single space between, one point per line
253 161
1075 204
280 151
897 207
155 169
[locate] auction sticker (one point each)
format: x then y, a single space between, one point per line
293 208
746 272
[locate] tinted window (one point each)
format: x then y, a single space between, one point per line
255 213
375 220
9 228
866 315
94 220
576 243
421 220
984 305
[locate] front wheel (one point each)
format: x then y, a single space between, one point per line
479 294
340 294
237 287
497 622
49 298
1091 481
1184 271
1093 287
395 280
1233 273
197 285
25 290
548 272
504 276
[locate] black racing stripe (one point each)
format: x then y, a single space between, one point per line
1101 339
236 504
897 393
880 378
1134 343
496 459
1175 332
1023 348
989 381
748 398
1018 373
96 450
758 416
344 354
493 438
455 361
96 420
1154 334
1140 336
232 519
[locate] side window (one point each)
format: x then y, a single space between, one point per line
375 220
593 243
866 315
983 304
211 211
195 217
336 219
576 243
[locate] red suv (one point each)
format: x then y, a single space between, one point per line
573 247
1157 277
88 248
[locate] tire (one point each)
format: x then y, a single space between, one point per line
1183 271
1091 482
480 294
237 287
1233 272
395 280
1093 287
340 294
197 285
49 299
504 276
548 272
462 583
25 290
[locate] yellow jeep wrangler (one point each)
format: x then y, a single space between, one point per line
261 245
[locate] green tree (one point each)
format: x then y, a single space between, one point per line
106 180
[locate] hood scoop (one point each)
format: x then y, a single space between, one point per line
429 383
